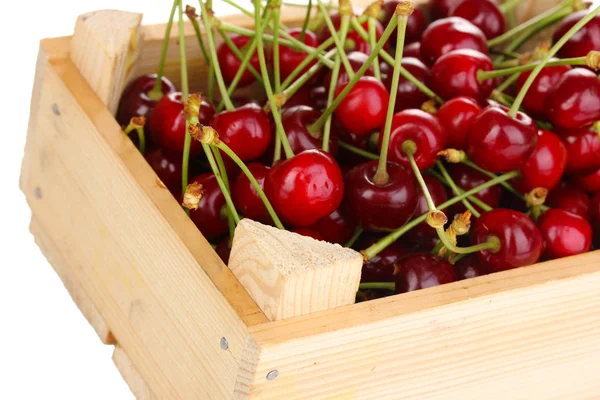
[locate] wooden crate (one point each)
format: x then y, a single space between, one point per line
184 327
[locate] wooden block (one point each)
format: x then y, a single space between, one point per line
105 47
289 275
131 375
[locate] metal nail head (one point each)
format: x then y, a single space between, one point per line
224 343
272 375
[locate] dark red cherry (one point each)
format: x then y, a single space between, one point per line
305 188
245 197
583 149
468 178
308 233
484 14
595 212
570 198
439 196
381 207
230 64
412 50
470 267
289 58
546 165
449 34
456 116
319 97
422 271
223 249
381 267
574 101
296 121
424 130
534 101
167 123
337 227
565 234
441 8
521 242
209 217
409 96
167 166
455 74
364 109
499 143
354 41
590 183
345 157
135 101
415 26
246 130
584 41
356 60
303 97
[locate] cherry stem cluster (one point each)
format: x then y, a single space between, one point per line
156 92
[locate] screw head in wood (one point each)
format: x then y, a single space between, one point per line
55 109
38 192
272 375
224 343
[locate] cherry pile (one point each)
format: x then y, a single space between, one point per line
424 137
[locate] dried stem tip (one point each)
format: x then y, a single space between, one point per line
436 219
592 60
453 156
207 135
345 8
374 8
537 197
191 110
405 8
462 223
280 99
192 196
138 122
190 12
430 107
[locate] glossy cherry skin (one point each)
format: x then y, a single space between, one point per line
381 207
584 41
441 8
337 227
246 130
590 183
135 101
356 60
583 148
381 267
345 157
208 217
296 121
415 26
308 233
565 234
319 97
595 213
521 242
498 143
545 167
439 196
409 96
422 271
535 99
305 188
167 166
575 100
570 198
230 64
167 123
455 74
484 14
470 267
423 129
245 197
412 50
456 116
445 35
468 178
364 109
289 58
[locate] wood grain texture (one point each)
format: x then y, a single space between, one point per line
105 47
289 275
128 371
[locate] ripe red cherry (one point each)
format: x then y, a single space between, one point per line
470 267
449 34
337 227
209 217
167 123
415 26
498 143
546 165
381 267
595 212
308 233
575 100
521 242
589 183
583 148
424 130
354 42
570 198
534 101
135 101
224 250
167 166
456 116
289 58
565 234
364 109
230 64
345 157
441 8
381 207
302 97
412 50
305 188
422 271
468 178
455 74
246 130
356 60
245 197
584 41
296 121
484 14
409 96
439 196
319 97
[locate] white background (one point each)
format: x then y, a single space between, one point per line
47 348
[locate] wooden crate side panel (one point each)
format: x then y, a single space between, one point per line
529 333
159 304
131 375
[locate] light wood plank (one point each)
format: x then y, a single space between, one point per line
130 375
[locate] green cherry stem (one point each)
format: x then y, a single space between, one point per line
305 23
312 71
357 232
276 6
580 24
509 5
192 16
344 8
491 243
472 199
507 83
185 91
456 190
391 286
403 11
378 247
483 75
238 54
358 151
137 124
156 92
372 41
311 56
